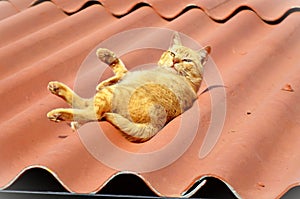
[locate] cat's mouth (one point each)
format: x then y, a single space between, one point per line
173 69
175 61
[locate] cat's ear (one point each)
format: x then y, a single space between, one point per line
175 39
203 54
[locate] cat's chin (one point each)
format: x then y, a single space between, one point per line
171 69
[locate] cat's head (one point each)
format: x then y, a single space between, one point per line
185 61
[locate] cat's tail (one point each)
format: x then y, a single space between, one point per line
139 132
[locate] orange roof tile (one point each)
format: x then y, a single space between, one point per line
21 4
251 64
7 9
270 10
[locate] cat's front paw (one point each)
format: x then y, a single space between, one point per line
100 86
106 56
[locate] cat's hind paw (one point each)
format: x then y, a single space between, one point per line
54 116
58 115
57 88
106 56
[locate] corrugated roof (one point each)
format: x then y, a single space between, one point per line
270 10
255 53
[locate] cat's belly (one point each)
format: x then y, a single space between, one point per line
144 100
137 95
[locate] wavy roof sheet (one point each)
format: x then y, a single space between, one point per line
269 10
255 48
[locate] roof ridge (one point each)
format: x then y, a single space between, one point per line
211 13
222 20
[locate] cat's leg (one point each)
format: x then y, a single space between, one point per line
100 104
77 117
139 132
63 91
115 63
70 114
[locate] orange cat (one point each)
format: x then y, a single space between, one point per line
139 103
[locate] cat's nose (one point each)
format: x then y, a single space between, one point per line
176 60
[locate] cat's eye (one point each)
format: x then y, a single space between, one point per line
172 54
187 60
